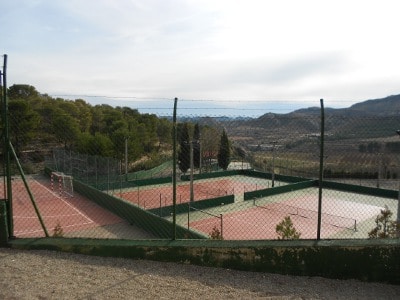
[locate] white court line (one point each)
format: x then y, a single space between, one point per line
53 216
77 210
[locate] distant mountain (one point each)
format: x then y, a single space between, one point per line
386 106
371 118
377 107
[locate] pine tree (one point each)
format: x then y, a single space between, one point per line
184 148
196 146
224 153
286 230
385 227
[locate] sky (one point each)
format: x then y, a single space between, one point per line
245 56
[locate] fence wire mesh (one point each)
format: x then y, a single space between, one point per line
106 172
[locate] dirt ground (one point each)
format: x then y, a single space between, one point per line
57 275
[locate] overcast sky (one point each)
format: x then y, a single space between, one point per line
286 52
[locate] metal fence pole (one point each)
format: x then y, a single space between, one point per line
321 169
174 172
7 151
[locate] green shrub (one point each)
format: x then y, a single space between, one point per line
286 230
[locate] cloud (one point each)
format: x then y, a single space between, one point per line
204 49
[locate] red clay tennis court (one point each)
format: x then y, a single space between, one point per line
247 221
71 213
259 221
156 196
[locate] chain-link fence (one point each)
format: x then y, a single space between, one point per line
79 170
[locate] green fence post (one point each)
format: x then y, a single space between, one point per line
174 173
3 224
321 169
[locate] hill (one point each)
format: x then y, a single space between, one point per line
375 118
383 107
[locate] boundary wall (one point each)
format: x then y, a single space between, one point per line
365 260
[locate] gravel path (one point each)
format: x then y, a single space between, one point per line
56 275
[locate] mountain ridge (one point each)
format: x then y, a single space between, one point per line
389 105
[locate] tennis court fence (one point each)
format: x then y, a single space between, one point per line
134 170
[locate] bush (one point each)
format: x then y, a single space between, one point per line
58 231
286 230
385 227
216 234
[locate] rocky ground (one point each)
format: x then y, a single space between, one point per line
56 275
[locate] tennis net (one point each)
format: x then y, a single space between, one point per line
326 218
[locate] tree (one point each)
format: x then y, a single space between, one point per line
66 129
23 123
84 115
385 227
184 148
196 146
241 153
164 132
99 144
209 146
22 91
286 230
224 153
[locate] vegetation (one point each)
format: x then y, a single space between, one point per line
39 122
385 227
205 146
58 231
224 153
216 234
286 231
196 146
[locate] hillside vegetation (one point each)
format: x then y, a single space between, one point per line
39 123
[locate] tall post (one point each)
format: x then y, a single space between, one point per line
7 154
398 199
200 157
273 163
191 172
174 171
126 158
321 169
398 209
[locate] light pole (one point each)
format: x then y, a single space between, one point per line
126 158
273 163
191 172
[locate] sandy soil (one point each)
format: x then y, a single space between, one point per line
56 275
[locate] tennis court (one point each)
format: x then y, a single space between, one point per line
257 219
73 214
159 196
344 215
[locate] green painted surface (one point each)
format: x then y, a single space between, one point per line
361 189
184 207
158 226
279 189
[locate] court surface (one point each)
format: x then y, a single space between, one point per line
157 196
77 216
344 215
